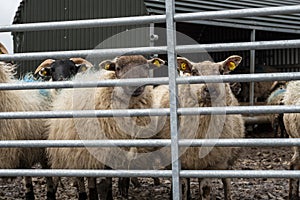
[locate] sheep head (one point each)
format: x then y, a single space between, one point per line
135 66
207 92
59 70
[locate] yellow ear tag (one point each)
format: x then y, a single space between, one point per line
44 72
83 68
232 66
183 66
107 66
156 63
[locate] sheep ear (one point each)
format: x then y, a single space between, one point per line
230 64
108 65
156 62
184 65
46 71
81 67
3 50
81 61
43 65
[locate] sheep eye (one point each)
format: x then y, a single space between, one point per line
194 72
118 68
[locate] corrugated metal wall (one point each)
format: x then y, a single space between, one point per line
63 10
274 60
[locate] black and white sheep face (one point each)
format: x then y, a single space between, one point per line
135 66
61 70
208 91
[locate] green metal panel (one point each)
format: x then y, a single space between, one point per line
73 39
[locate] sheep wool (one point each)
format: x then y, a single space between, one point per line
292 126
98 128
20 129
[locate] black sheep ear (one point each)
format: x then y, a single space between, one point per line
108 65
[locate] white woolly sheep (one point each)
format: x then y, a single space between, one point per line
205 126
292 126
62 70
22 129
102 98
276 98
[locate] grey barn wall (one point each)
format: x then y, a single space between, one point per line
203 33
73 39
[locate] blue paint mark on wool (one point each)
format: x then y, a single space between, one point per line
29 78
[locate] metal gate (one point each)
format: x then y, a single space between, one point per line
171 49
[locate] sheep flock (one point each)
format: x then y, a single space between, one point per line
141 96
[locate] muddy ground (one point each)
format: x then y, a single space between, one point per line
247 189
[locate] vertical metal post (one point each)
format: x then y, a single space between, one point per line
152 38
252 69
172 69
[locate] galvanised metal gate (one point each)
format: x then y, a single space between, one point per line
171 49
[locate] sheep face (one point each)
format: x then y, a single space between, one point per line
206 92
135 66
60 70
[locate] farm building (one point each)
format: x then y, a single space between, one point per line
252 159
277 27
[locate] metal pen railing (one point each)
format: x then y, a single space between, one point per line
170 18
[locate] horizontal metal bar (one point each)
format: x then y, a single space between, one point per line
91 23
238 46
230 110
280 44
84 143
152 173
84 113
242 142
240 173
154 81
237 13
82 53
84 173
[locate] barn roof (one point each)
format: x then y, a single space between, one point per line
281 23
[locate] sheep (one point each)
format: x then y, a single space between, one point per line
103 98
261 89
276 98
22 129
205 126
61 70
292 126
